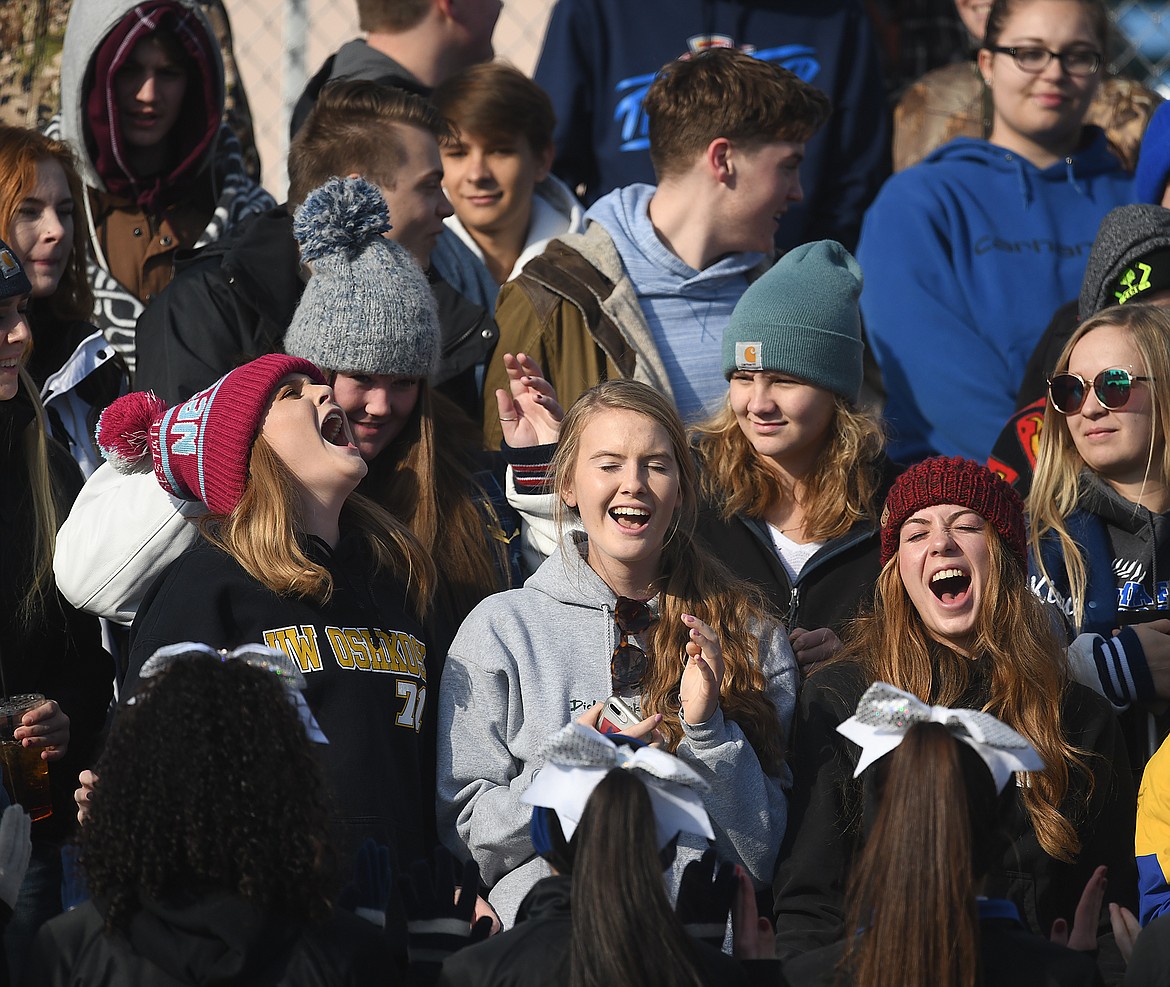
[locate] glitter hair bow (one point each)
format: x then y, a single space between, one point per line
885 713
258 656
576 758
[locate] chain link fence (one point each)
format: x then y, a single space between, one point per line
279 44
1143 36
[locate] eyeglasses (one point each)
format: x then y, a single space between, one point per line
628 666
1079 61
1113 387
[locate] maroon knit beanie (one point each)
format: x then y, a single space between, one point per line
953 480
200 449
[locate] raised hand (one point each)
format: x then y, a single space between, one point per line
529 412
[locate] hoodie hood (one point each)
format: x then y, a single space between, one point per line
569 579
99 39
625 214
1138 538
1093 158
209 940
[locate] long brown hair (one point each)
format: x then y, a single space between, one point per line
1056 482
47 513
912 888
21 150
691 581
1016 657
840 490
264 534
427 484
624 930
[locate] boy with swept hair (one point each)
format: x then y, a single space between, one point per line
647 289
233 301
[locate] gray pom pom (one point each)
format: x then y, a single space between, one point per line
344 214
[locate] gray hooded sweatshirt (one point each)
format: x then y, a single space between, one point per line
528 661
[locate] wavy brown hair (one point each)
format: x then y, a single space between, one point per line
1016 657
840 490
691 581
724 92
21 150
913 886
197 798
265 535
1057 480
428 485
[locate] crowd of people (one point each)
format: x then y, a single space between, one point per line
621 525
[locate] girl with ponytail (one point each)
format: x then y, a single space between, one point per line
607 815
939 827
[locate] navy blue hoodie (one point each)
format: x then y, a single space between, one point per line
600 56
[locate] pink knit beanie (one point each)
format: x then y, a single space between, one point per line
199 449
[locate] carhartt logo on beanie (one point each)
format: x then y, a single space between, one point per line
13 280
801 318
200 448
954 480
367 307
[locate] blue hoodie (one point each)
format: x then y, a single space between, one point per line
599 57
966 256
686 310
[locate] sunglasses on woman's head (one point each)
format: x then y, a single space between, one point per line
1112 387
628 665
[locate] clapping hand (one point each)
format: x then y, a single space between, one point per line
703 674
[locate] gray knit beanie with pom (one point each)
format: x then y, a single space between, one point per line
367 307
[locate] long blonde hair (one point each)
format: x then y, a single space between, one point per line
691 581
264 534
47 512
1016 654
1057 480
840 490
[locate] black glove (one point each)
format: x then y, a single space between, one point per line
704 898
368 894
437 925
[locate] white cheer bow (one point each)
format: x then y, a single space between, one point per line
576 758
885 713
258 656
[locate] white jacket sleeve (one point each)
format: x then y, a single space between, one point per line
123 530
538 522
748 807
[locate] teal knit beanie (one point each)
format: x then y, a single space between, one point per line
801 318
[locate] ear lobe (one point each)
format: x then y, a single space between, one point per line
568 497
720 159
544 162
984 61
